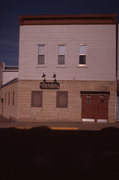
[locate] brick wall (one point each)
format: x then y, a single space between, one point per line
101 51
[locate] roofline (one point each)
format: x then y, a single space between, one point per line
68 19
11 70
10 82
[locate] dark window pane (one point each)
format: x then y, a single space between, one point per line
82 59
36 99
61 59
62 99
41 59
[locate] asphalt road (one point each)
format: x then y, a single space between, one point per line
41 153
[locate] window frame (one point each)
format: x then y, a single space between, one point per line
35 104
61 54
9 98
41 54
83 55
13 98
5 98
58 103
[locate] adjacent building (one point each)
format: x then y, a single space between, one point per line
67 70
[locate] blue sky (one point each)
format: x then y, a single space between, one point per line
10 10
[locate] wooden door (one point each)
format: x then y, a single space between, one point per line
102 107
95 107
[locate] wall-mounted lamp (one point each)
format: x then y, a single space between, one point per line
43 76
54 76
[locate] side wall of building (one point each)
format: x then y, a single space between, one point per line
9 75
8 105
49 111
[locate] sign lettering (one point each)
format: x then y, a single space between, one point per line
49 85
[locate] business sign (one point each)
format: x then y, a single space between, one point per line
49 85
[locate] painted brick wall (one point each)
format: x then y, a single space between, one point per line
101 51
8 76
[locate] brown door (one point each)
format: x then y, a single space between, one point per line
102 107
88 106
95 106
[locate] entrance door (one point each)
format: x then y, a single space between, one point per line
102 108
95 107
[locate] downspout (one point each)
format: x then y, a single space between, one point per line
116 51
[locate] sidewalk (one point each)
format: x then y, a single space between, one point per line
4 123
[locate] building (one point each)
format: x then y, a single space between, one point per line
7 73
67 70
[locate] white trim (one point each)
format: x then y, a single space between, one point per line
41 66
61 66
82 65
88 120
101 120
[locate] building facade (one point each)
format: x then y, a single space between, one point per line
67 70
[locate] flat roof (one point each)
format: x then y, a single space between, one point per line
68 19
11 68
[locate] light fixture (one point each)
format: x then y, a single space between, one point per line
54 76
43 76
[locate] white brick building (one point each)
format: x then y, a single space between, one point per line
81 51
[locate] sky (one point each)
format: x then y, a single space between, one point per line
11 10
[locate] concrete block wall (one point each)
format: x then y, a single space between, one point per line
9 110
49 112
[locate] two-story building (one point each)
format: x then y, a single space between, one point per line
67 70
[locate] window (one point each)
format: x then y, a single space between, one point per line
13 98
82 55
61 54
41 54
62 99
36 99
8 98
5 98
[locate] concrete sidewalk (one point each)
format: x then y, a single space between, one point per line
58 125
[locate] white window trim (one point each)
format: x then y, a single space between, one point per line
64 54
83 65
44 53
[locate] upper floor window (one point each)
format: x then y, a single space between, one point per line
82 55
61 54
41 54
